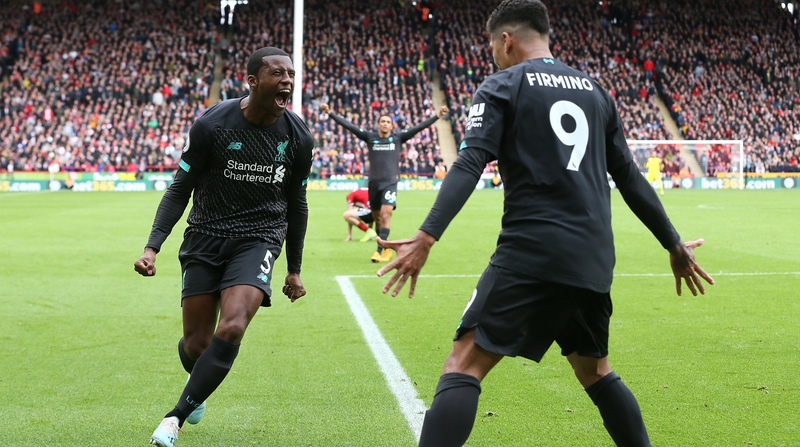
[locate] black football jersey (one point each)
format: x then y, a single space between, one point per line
246 172
555 133
384 153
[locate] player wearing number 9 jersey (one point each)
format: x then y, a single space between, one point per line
555 134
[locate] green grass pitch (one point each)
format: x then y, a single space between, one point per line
88 348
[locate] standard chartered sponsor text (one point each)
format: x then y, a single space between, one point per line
253 172
383 147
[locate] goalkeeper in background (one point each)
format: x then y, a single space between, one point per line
654 166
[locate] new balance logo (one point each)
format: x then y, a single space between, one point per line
281 157
235 146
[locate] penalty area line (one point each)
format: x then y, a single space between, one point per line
399 383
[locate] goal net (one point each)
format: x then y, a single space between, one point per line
683 162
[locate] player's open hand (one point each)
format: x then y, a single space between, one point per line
293 287
442 112
411 256
146 264
686 268
324 108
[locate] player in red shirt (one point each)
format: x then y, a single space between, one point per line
359 214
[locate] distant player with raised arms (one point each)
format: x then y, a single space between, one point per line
247 162
384 167
653 166
555 134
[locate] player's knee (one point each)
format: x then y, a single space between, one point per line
231 331
196 344
590 372
455 364
586 378
468 358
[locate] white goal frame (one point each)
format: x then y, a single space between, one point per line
740 143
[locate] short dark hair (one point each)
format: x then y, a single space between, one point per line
531 14
256 60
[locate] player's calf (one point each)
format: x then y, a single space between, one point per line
620 411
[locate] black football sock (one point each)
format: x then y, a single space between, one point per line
450 419
384 234
208 373
177 413
620 411
188 364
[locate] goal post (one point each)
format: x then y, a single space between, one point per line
693 158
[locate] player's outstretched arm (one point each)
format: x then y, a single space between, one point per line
355 130
407 135
411 257
293 287
685 267
146 264
455 190
642 200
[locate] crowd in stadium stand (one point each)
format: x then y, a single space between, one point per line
730 70
104 85
364 60
108 85
582 37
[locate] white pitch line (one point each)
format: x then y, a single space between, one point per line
421 276
627 275
712 274
399 383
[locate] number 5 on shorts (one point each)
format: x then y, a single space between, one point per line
266 266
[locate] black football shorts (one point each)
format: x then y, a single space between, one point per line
365 214
517 315
211 264
383 192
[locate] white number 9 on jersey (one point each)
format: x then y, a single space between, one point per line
578 138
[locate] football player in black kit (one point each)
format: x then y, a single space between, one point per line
555 134
247 161
384 167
